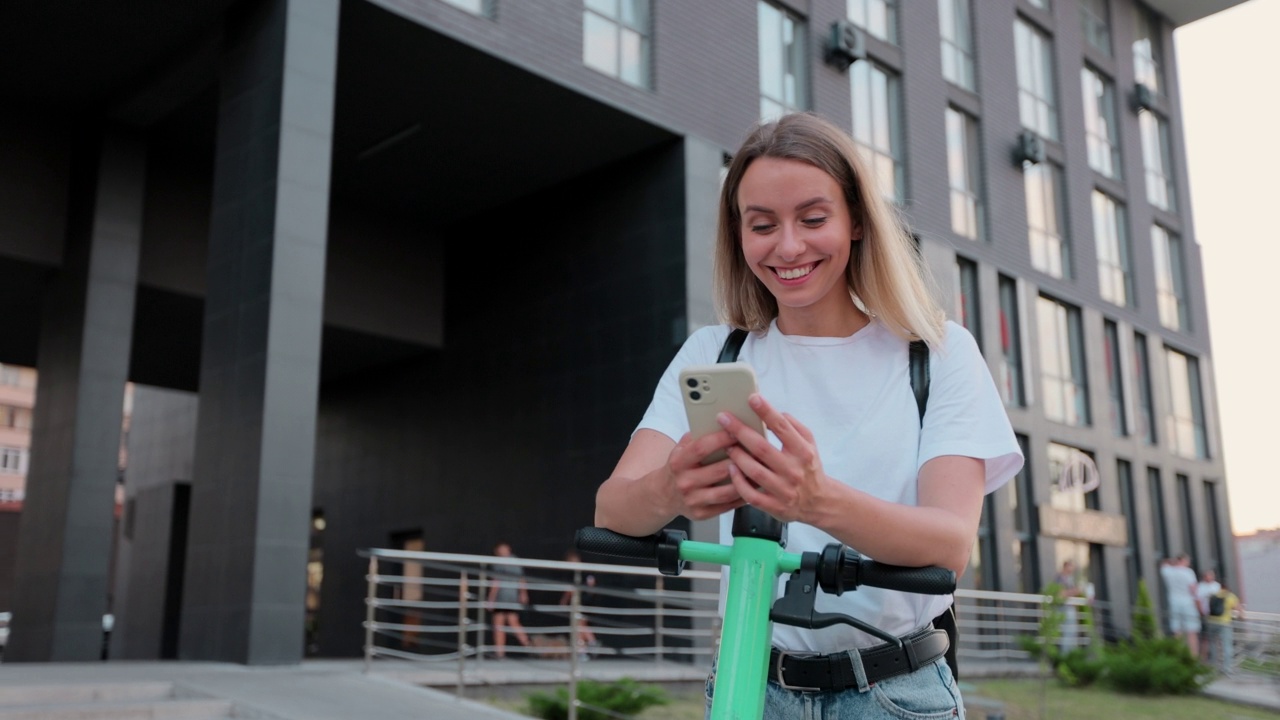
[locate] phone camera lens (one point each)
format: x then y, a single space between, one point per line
695 396
692 382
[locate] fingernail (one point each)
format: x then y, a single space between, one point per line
733 468
723 419
754 400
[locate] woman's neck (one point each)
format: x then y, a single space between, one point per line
822 322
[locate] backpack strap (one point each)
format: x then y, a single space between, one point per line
732 345
920 374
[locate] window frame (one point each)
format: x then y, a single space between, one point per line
621 27
1171 280
794 62
1013 379
955 19
1037 88
1111 240
883 26
1064 381
868 138
1101 123
1050 247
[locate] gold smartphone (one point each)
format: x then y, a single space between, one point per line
712 389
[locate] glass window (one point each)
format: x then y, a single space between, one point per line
13 461
1011 385
1062 366
1142 379
1171 281
963 174
983 558
1046 222
1115 378
967 297
615 39
1161 535
1037 108
1157 161
1096 23
1102 134
1115 279
476 7
1188 520
1185 424
1146 48
957 43
1026 525
1042 4
878 17
1129 507
1214 524
783 62
877 125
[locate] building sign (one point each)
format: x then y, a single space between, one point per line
1079 474
1092 526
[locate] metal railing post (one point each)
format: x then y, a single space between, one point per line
657 620
482 585
574 638
462 629
368 613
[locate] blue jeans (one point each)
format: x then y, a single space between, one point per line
929 692
1221 637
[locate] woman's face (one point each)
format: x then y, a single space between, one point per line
796 231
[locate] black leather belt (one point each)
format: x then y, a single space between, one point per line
835 672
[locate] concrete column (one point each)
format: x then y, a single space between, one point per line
64 543
260 358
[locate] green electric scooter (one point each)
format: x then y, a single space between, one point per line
755 560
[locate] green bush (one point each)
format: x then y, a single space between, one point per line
1161 666
1144 616
1081 667
625 697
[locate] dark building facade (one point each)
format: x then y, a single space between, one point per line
403 272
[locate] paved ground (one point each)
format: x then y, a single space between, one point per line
395 690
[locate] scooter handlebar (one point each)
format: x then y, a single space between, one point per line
841 568
606 542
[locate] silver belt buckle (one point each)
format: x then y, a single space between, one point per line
782 679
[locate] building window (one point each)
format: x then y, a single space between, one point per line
1157 160
1102 134
1096 24
1115 381
877 124
1155 485
1214 524
1026 524
13 461
483 8
615 39
1129 507
1115 280
1011 383
1185 424
1142 378
1046 223
963 174
783 62
1042 4
1062 366
1036 106
986 575
1171 281
15 417
878 17
1146 48
1188 520
967 297
957 43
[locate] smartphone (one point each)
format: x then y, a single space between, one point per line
712 389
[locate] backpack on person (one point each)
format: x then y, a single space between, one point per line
919 374
1218 604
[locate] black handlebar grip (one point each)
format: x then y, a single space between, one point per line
930 580
607 542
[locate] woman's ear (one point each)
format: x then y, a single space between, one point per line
857 233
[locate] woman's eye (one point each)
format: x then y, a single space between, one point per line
815 221
761 227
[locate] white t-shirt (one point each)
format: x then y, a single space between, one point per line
854 394
1204 591
1179 582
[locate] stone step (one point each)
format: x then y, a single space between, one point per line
81 693
172 709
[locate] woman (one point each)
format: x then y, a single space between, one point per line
814 263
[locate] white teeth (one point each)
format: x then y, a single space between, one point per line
793 273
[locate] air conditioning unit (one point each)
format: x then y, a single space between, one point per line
1144 98
1030 148
846 45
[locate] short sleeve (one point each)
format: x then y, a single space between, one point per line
666 411
964 415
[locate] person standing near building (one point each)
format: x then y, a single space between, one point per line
1184 615
1205 589
814 263
1224 608
1070 588
508 588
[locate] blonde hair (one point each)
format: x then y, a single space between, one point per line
886 275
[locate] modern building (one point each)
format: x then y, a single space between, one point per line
403 273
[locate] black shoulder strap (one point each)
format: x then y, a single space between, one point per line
732 345
919 364
920 374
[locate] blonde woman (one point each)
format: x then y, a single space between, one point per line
816 265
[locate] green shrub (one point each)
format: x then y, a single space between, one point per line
1162 666
625 697
1144 616
1081 667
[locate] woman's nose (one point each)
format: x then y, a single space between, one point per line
790 244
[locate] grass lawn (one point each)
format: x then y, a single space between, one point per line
1022 701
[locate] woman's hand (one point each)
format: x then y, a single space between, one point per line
787 483
701 491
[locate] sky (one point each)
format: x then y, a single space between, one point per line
1227 67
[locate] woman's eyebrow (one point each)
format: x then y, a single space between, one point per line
807 203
